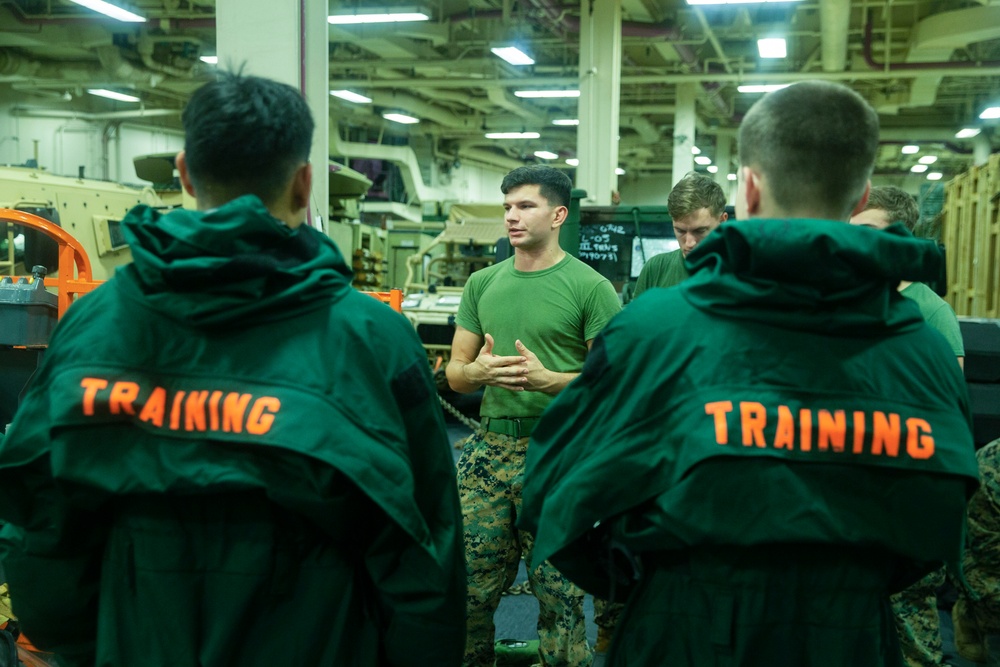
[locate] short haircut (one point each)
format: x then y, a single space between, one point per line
245 135
694 192
815 142
553 184
897 204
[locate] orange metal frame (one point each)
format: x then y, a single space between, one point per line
73 260
73 256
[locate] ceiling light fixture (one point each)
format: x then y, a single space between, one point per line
211 60
990 113
351 96
935 176
695 150
927 159
909 150
512 135
712 169
918 168
703 160
619 171
752 88
967 133
772 47
566 121
546 93
546 155
113 11
730 177
573 162
383 15
400 118
513 55
112 95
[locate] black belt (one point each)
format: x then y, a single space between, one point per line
516 427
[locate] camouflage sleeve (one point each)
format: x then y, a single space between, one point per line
982 553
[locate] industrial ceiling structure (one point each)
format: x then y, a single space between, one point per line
930 67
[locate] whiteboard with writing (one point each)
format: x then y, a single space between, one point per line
650 247
602 242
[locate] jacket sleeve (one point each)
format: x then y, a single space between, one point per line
50 543
420 586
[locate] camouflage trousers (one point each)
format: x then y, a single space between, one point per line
917 621
490 480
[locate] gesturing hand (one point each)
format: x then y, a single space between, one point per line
504 372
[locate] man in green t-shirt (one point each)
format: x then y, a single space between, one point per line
887 205
697 205
915 608
522 332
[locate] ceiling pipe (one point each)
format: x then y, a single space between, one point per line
735 77
404 156
75 115
649 31
162 23
835 19
923 66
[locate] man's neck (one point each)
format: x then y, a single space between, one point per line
903 284
537 259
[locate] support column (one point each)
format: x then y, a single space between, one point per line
600 89
286 40
980 149
723 157
684 129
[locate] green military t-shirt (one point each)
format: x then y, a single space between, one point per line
938 314
664 270
554 312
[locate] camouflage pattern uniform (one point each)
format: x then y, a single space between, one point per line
917 621
490 478
606 615
977 612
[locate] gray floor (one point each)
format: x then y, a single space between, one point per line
517 615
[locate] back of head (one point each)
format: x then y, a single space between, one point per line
693 193
815 143
552 184
245 135
897 204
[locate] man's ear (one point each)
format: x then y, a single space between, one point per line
751 190
301 187
864 200
182 171
561 213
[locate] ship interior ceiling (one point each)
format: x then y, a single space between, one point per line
928 66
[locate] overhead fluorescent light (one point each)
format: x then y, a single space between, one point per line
967 133
713 169
927 159
513 55
703 159
351 96
695 150
546 155
990 113
735 2
381 15
113 11
772 47
546 93
112 95
919 168
761 87
512 135
211 60
566 121
935 176
909 149
730 177
573 162
619 171
400 118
